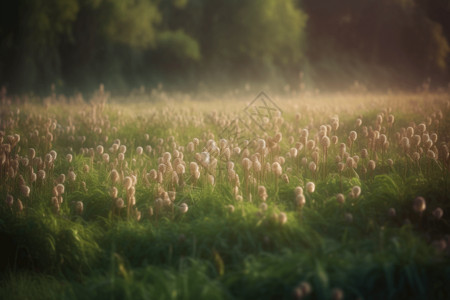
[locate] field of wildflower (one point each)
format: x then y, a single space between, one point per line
342 196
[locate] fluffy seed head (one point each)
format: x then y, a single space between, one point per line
60 189
293 152
230 208
25 190
31 153
438 213
79 207
262 192
114 176
139 150
41 174
276 168
310 187
419 204
119 203
390 162
100 149
278 137
114 192
127 182
122 149
325 141
246 164
282 217
300 200
263 206
350 163
371 165
340 198
356 191
183 208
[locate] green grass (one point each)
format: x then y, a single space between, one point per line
210 252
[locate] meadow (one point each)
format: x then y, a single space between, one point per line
340 196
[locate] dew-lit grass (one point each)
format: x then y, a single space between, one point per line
335 197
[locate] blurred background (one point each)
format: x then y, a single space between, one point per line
187 45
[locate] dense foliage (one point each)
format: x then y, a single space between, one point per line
126 44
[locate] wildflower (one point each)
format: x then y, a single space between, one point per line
25 190
53 154
119 203
31 153
230 208
137 215
276 168
211 179
325 141
278 137
419 204
139 150
298 190
48 158
79 207
100 149
60 189
246 164
183 208
282 217
293 152
19 205
334 139
33 176
72 176
371 165
340 198
262 193
300 200
41 174
422 127
114 175
310 187
356 191
263 206
438 213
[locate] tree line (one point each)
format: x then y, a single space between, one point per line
184 44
